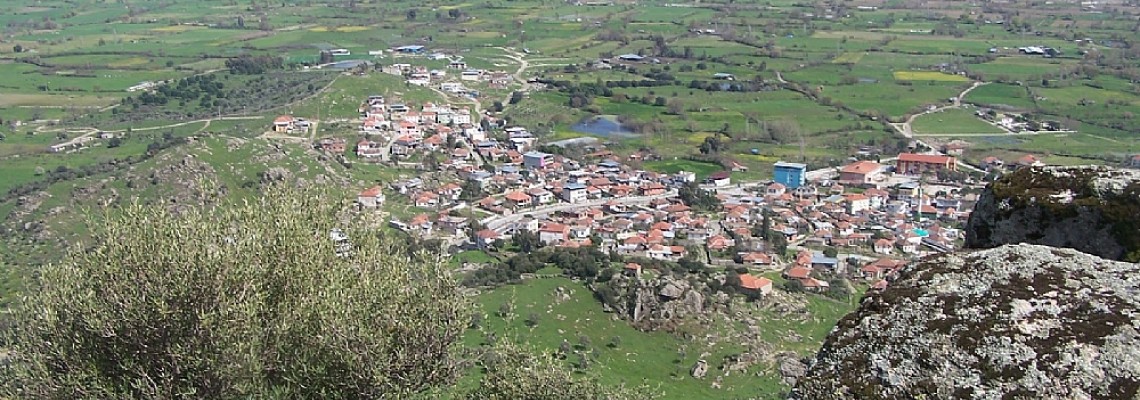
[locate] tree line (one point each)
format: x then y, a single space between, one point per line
253 65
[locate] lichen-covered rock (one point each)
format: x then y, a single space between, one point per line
1017 322
1093 209
657 303
790 367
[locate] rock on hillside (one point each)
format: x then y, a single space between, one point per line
1092 209
1017 321
652 304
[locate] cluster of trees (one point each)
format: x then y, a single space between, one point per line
581 94
641 83
782 131
698 198
252 65
253 300
220 93
204 87
722 86
712 144
583 263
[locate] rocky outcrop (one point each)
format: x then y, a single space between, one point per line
1092 209
790 367
657 303
1017 321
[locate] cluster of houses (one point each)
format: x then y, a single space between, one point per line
451 79
401 131
857 219
1014 122
519 182
992 163
850 212
289 124
590 201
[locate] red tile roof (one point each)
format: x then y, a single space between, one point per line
798 273
371 192
748 281
554 227
517 197
861 167
925 158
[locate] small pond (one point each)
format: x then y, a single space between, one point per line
602 125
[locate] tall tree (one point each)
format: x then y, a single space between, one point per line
527 241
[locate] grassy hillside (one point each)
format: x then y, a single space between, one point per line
621 354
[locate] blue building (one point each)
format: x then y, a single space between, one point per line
791 175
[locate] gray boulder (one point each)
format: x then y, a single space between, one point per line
1017 321
700 369
1093 209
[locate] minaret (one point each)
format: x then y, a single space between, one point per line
920 201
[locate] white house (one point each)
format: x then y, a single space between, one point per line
776 189
552 233
452 87
419 79
463 116
370 198
540 196
884 246
857 203
574 192
720 178
471 75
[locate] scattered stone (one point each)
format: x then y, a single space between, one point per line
561 295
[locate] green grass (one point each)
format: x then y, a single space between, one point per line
474 257
1001 95
1068 148
651 358
702 169
1021 68
955 120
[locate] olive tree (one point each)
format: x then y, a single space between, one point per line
243 300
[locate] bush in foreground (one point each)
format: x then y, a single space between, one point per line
279 298
245 300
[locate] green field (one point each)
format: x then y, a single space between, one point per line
702 169
958 120
1001 95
